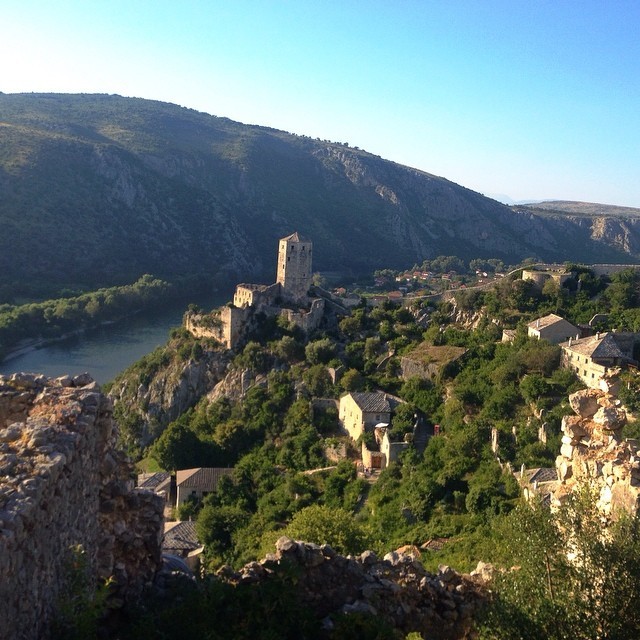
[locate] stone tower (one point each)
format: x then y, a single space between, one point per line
294 266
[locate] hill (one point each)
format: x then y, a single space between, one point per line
99 189
583 208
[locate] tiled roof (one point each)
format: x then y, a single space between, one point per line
547 321
152 480
204 478
610 348
372 401
180 536
602 345
296 237
542 474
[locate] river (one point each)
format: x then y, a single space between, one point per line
107 350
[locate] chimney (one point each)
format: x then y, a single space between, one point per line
538 323
570 338
597 335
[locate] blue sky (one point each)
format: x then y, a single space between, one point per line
528 98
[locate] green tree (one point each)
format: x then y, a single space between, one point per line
320 351
352 380
324 525
573 579
318 381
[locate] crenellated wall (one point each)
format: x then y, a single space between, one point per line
63 484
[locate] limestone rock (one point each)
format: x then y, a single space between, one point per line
585 402
397 588
593 454
66 491
610 418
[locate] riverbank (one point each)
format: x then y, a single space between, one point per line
106 349
29 345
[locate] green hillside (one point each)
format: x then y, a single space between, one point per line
99 189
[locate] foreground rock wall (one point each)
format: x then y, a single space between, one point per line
64 485
595 454
396 588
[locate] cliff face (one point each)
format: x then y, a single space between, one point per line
156 400
64 486
129 186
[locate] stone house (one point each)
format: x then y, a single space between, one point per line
361 411
180 539
391 450
540 482
595 358
160 482
553 328
198 483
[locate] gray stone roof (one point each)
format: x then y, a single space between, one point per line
203 478
603 345
296 237
180 537
372 401
542 474
152 480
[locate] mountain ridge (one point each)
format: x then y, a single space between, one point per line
98 189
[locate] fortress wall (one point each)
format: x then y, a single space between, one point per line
306 320
63 486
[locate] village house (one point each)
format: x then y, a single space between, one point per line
198 483
180 539
553 328
540 482
159 482
595 358
361 411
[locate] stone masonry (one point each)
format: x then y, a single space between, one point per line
594 454
397 588
63 484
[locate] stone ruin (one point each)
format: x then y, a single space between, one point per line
594 454
396 588
64 485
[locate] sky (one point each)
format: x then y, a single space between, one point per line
532 99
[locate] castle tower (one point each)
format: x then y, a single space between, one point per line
294 266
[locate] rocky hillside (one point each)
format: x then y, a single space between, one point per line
584 208
99 189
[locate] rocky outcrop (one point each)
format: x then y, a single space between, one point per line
169 392
595 455
64 490
395 588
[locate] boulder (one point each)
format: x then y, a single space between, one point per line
585 402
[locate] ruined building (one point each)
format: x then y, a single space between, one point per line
288 297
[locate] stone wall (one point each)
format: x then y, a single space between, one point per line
594 454
396 588
306 320
64 485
